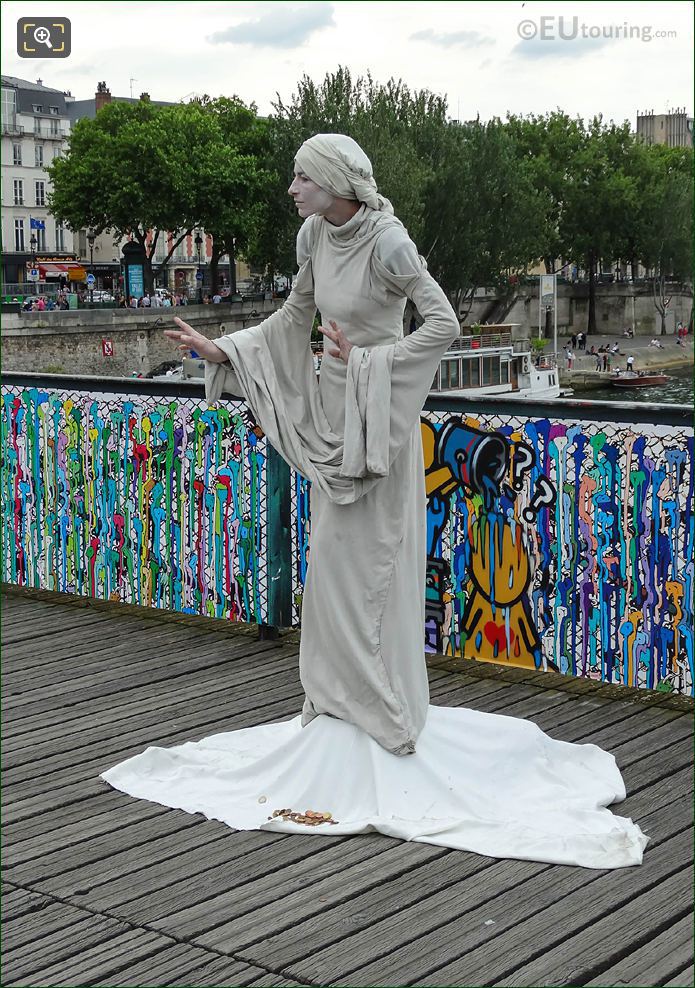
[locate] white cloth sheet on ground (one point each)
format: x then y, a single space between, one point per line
478 782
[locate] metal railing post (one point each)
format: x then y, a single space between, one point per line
279 545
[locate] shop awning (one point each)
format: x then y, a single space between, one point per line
70 269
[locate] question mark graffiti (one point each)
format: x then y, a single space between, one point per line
522 461
543 497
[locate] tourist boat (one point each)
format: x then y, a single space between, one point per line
492 362
641 379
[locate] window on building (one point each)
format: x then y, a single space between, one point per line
37 125
491 371
57 153
9 106
19 235
470 372
40 193
41 240
449 373
18 185
54 110
60 236
37 108
16 154
55 126
38 155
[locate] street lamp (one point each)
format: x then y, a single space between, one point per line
91 237
199 277
33 243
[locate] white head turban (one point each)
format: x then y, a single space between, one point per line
339 166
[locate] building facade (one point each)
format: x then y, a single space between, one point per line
35 127
674 129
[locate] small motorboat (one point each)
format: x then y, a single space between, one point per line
640 379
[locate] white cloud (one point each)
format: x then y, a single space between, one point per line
537 48
468 39
293 28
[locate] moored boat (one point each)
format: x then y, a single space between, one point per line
641 379
493 361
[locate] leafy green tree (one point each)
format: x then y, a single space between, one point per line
459 191
599 198
661 234
548 146
484 217
229 203
143 171
274 223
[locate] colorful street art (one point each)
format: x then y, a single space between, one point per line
552 544
557 545
150 501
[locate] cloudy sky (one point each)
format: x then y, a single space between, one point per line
486 58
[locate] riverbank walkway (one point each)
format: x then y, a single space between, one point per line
102 889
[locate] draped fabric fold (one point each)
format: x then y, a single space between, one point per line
367 413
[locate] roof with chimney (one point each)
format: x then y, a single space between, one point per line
81 108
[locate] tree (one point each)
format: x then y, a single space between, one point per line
459 191
483 216
548 146
141 170
599 197
662 231
274 224
229 205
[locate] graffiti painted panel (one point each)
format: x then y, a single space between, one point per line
557 545
151 501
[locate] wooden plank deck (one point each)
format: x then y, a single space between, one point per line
101 889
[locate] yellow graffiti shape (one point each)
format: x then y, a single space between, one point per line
497 626
500 565
493 634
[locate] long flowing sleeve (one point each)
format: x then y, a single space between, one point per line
271 365
387 385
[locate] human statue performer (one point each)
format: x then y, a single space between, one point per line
368 751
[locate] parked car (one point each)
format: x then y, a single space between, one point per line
99 295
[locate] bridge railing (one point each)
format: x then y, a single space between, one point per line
560 533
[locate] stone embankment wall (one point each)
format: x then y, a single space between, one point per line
617 306
73 342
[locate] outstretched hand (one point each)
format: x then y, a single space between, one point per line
342 345
190 339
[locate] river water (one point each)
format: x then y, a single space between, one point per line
678 390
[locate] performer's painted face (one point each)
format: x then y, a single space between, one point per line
309 198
